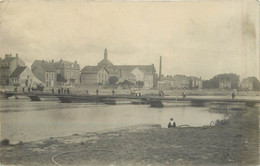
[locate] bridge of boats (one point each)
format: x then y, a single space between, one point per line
154 101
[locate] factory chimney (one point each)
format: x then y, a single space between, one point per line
160 68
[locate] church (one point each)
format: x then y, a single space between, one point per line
99 74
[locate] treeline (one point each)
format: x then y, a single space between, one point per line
215 81
231 81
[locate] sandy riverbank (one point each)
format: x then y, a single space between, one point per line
231 142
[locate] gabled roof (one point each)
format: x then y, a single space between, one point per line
18 71
61 63
91 69
46 66
146 69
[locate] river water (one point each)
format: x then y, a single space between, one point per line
23 120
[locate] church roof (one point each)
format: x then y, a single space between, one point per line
146 69
105 62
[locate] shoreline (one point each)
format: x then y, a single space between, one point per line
234 141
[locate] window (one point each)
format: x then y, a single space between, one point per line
47 75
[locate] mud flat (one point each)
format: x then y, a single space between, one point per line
234 141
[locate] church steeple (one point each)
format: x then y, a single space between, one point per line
105 61
105 53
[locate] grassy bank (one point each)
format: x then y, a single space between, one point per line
234 141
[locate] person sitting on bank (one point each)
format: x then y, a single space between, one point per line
171 123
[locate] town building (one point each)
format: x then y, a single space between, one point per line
179 82
45 72
7 66
67 72
23 76
100 74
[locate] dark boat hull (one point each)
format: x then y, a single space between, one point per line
81 99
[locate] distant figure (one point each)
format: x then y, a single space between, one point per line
183 94
233 95
68 91
87 92
139 93
97 91
113 92
171 123
161 93
23 89
52 90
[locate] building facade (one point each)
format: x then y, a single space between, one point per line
91 75
68 70
180 82
23 76
7 66
45 72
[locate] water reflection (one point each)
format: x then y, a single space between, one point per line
22 120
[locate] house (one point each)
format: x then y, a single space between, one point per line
68 70
45 72
7 66
94 75
180 82
91 75
23 76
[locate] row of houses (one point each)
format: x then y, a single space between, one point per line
13 71
51 73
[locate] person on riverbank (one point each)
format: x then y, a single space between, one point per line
171 124
97 91
52 90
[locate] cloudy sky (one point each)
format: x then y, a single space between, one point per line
194 38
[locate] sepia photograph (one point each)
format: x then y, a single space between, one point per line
129 83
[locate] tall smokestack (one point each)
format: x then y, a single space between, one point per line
160 68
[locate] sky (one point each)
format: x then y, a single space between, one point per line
197 38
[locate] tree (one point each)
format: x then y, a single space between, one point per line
139 84
214 82
113 80
125 84
256 83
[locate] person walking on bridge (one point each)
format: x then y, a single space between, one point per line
113 92
233 95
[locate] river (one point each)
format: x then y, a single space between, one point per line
24 120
